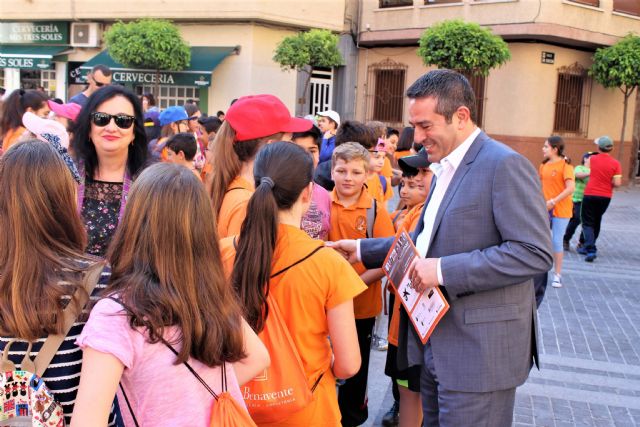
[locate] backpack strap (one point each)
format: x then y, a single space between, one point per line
235 188
383 182
53 342
169 346
371 218
297 262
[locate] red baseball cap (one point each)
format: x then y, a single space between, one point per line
69 111
257 116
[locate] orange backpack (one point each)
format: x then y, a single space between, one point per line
282 389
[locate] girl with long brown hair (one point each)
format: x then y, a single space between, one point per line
250 123
41 261
19 102
315 289
167 293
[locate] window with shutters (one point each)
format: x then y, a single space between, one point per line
478 84
395 3
632 7
573 96
385 92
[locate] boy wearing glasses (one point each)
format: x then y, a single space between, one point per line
99 76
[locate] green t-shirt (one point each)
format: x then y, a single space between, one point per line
578 193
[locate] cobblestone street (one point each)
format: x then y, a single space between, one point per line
589 337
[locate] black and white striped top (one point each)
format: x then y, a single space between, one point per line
62 376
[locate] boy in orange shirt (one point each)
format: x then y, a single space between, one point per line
356 215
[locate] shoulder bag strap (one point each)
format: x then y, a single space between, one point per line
169 346
53 342
371 218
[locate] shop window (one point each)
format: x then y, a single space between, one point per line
395 3
573 97
171 95
478 84
385 92
632 7
594 3
34 79
2 78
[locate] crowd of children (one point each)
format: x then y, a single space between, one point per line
211 257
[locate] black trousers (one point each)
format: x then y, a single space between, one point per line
352 395
574 222
593 208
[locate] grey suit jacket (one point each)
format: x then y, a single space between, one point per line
491 233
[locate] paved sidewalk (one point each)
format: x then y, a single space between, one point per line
589 337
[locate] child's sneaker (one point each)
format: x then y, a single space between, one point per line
557 281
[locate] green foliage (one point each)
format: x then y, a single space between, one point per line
463 46
316 48
618 65
148 43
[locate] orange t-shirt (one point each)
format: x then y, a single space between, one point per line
409 223
374 187
387 170
553 177
234 207
12 136
401 154
304 294
351 223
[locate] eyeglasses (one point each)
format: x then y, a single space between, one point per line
193 118
123 121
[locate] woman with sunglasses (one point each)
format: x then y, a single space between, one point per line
111 149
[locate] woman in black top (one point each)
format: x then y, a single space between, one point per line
110 146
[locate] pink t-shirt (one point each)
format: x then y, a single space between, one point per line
316 221
160 392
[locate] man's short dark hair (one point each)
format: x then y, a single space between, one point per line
314 132
105 70
185 142
354 131
210 124
450 89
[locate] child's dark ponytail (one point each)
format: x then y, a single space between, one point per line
281 171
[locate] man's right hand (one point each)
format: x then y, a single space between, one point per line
347 248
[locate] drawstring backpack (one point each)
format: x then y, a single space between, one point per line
282 389
225 411
25 399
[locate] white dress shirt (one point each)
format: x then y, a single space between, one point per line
444 172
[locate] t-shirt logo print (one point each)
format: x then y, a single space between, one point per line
264 376
361 224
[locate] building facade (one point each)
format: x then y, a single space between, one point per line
543 90
53 44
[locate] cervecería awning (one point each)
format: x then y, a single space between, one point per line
29 56
203 61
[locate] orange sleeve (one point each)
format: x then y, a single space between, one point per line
568 173
383 226
387 170
345 283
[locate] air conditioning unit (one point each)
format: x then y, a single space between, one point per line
85 34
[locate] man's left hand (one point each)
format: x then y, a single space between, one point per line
423 273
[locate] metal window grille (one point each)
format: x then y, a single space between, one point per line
594 3
171 95
631 7
478 84
395 3
320 90
573 98
48 82
384 93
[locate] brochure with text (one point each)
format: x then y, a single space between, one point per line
426 308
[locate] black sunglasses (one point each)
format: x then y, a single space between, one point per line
123 121
99 84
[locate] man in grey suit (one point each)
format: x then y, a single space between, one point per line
483 235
